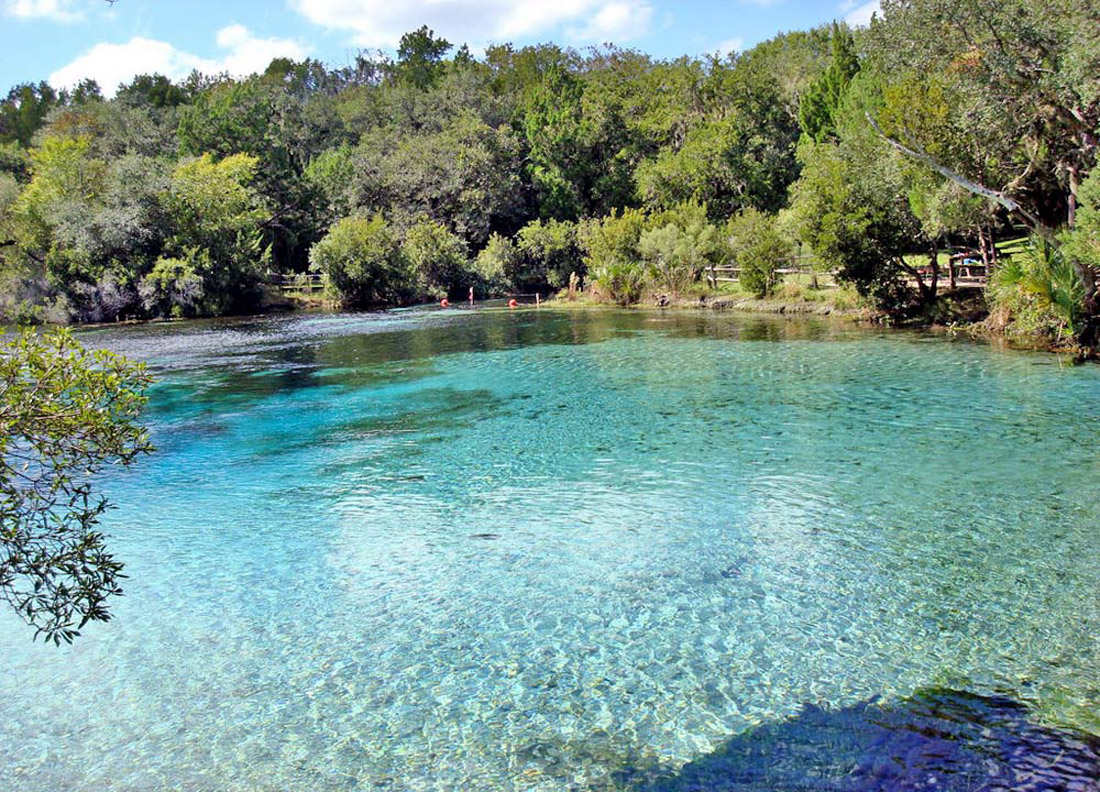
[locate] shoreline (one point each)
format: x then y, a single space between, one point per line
977 330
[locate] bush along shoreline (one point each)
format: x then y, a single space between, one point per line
872 158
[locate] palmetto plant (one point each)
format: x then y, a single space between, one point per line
1041 289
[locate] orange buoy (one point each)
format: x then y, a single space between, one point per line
513 304
444 303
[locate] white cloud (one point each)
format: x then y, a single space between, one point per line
55 10
113 64
381 23
621 20
724 48
860 16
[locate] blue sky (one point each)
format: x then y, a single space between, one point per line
66 40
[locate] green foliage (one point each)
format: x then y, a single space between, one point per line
549 254
65 179
152 90
677 246
14 162
64 414
211 208
332 174
1038 292
612 254
556 131
362 262
1002 93
820 105
174 287
674 256
115 218
759 248
9 194
495 262
24 110
466 176
732 158
420 58
849 206
438 258
1082 242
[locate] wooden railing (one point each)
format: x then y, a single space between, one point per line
308 282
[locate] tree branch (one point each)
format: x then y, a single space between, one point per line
969 185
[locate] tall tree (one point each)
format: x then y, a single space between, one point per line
24 111
820 104
420 57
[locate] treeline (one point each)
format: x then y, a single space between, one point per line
428 173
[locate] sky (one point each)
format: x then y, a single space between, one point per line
64 41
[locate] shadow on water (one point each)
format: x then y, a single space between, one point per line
939 740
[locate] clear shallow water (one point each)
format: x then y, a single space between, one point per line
524 551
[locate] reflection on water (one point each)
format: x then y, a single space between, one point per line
532 550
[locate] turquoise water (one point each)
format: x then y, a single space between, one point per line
452 550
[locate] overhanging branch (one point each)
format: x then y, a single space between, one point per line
969 185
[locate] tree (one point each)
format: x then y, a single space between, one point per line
741 153
614 262
64 414
151 90
675 256
1019 79
466 176
420 57
24 111
678 246
494 263
215 218
852 211
557 136
820 104
548 255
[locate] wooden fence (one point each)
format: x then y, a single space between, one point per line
307 282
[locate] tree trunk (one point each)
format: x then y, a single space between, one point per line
1089 334
926 297
1071 213
934 255
984 247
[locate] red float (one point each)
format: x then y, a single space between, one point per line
444 303
513 304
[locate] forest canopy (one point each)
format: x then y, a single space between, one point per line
945 122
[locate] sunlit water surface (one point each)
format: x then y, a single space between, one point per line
444 550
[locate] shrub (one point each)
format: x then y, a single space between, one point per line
362 262
173 287
1037 292
495 262
612 255
437 257
549 255
758 248
1082 243
679 246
